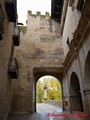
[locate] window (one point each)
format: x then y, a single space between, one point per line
68 42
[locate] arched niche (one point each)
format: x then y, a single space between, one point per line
87 83
75 93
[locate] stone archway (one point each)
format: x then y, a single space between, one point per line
48 92
87 82
40 72
75 94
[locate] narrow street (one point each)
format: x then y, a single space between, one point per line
46 112
46 108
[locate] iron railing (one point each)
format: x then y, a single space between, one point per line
16 36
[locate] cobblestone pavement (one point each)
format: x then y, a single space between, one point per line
48 112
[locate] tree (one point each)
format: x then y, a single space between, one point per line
39 92
53 89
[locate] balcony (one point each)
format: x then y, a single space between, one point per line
11 8
13 68
16 36
1 30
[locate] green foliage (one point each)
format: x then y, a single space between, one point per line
23 28
39 92
47 14
53 89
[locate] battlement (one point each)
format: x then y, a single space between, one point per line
38 13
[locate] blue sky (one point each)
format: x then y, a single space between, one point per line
35 5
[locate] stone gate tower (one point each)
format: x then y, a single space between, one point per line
40 53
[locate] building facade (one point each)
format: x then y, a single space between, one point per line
40 53
9 37
76 43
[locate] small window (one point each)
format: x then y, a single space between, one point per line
80 5
68 42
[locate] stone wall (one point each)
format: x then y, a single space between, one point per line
41 47
5 52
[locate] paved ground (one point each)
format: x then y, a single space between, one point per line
47 112
46 108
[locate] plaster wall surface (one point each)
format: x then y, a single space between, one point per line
71 22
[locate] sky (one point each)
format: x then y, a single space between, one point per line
34 5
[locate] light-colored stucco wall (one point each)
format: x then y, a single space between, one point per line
71 22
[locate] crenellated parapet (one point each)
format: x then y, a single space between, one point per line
38 13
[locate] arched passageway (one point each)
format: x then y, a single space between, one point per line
48 91
87 83
75 94
40 72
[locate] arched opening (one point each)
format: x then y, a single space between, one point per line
87 70
87 82
48 94
75 94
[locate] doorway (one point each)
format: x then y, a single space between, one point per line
48 94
